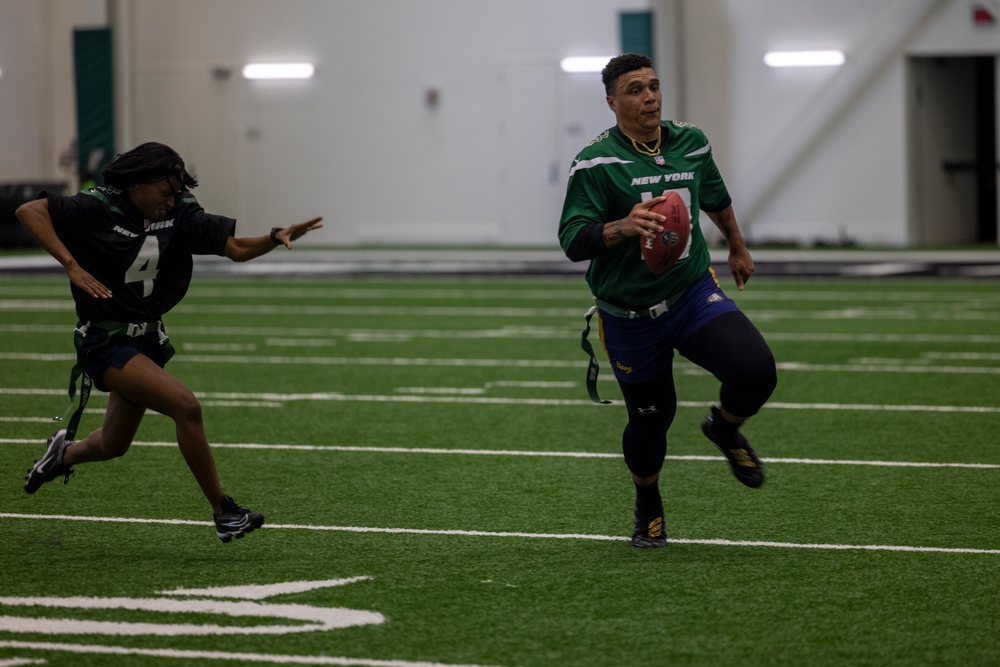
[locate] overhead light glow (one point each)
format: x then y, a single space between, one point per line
589 64
278 71
804 58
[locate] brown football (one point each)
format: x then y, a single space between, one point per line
661 251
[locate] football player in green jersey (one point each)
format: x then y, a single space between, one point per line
644 316
127 249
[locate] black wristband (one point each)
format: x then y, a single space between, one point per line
274 235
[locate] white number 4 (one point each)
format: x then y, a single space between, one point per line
143 269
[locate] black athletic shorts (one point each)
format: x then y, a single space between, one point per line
103 354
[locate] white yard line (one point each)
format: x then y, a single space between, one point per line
36 442
232 656
906 366
506 332
516 291
516 534
953 312
268 399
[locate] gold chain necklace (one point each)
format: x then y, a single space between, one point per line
643 148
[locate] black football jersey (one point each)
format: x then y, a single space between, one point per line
146 264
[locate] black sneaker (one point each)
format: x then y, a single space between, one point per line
648 533
50 465
235 521
742 458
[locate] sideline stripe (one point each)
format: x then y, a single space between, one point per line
187 654
546 536
543 454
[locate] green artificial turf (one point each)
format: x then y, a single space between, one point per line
435 436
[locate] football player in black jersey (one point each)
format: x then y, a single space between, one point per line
127 249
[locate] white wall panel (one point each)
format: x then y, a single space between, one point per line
37 97
359 144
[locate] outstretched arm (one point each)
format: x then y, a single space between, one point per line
242 249
34 217
740 262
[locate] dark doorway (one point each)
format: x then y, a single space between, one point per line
953 147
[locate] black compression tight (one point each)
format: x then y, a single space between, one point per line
730 348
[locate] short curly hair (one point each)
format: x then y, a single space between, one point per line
146 163
626 62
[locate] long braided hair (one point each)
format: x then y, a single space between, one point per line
145 163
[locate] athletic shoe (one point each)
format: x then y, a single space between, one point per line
50 465
648 533
742 458
235 521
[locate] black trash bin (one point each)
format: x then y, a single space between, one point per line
12 195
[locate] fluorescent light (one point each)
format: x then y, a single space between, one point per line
589 64
804 58
278 71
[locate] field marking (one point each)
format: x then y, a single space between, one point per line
828 337
533 332
425 362
961 409
324 333
515 534
912 366
16 305
471 391
307 618
263 591
518 292
568 287
250 604
219 347
187 654
268 399
19 662
540 454
873 314
964 356
327 294
959 312
27 420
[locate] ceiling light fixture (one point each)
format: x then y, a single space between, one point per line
278 71
588 64
804 58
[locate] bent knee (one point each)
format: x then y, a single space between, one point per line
757 375
768 374
185 407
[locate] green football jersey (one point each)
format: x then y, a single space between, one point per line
610 176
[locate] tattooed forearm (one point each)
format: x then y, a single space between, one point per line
613 234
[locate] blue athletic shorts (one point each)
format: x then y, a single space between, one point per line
118 351
640 349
